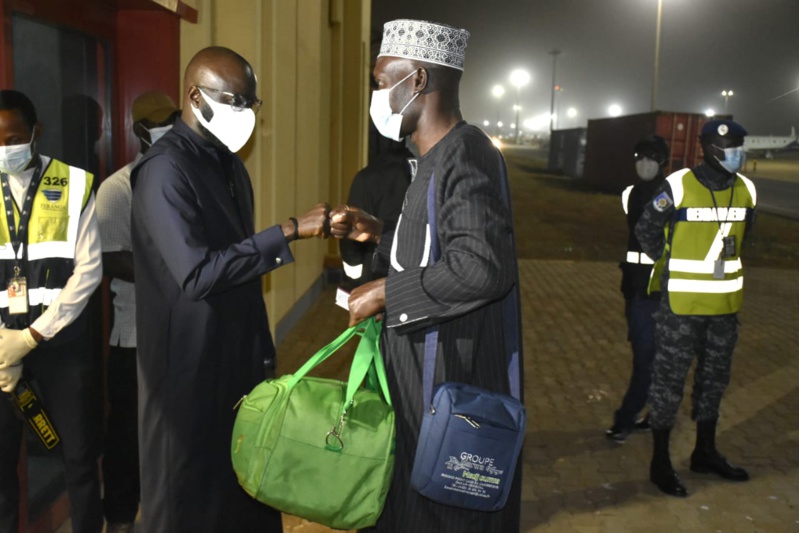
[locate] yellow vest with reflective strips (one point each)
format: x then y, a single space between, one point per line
696 243
52 232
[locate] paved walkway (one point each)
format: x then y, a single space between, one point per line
577 364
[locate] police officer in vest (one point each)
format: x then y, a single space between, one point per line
696 224
50 264
651 155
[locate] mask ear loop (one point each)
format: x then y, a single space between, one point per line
403 79
409 103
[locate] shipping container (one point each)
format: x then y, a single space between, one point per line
567 152
609 163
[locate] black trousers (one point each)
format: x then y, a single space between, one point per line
640 312
121 451
68 377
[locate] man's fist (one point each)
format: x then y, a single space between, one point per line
355 224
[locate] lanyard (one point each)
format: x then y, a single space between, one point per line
19 235
732 195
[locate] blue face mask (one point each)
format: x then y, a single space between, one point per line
734 158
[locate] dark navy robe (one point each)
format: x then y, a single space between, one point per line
202 330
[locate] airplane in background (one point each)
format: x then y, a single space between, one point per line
769 143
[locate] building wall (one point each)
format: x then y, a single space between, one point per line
310 60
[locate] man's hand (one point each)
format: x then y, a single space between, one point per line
367 300
14 345
314 223
355 224
9 378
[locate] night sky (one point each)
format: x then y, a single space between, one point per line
608 50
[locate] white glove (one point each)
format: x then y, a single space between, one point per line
9 377
14 345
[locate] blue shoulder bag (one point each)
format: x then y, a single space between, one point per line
471 438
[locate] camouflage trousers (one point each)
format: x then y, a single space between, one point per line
679 339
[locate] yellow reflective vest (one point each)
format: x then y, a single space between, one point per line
695 244
48 258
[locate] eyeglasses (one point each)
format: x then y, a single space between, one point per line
236 101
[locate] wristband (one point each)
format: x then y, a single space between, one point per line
296 228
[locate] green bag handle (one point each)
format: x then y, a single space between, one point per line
370 342
367 359
363 355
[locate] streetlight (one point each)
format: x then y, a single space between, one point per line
657 56
554 53
726 95
518 78
571 113
709 112
498 91
486 123
614 110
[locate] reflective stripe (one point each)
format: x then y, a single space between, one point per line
706 286
394 263
44 250
639 258
711 214
36 296
353 271
65 249
625 198
692 266
6 252
751 187
718 243
425 258
677 189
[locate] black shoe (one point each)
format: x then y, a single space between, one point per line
642 424
665 478
618 433
715 463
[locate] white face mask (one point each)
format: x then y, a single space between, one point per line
388 123
232 128
647 168
14 158
157 133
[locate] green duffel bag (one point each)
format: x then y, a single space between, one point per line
317 448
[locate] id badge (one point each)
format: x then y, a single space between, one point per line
18 296
729 246
718 269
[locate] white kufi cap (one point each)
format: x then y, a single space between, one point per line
424 41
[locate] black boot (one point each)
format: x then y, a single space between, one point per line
707 459
661 472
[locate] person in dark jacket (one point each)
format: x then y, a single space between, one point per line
202 329
378 188
651 156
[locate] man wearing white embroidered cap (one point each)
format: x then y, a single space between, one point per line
418 73
696 224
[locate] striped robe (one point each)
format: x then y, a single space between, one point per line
460 293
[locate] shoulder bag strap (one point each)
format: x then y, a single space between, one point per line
510 304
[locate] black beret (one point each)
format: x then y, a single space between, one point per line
723 128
